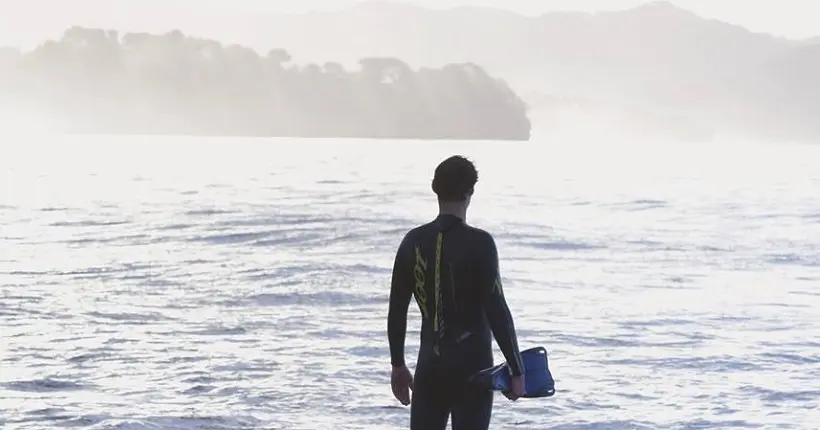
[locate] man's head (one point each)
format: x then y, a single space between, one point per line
454 180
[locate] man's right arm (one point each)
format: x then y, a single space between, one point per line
401 293
498 313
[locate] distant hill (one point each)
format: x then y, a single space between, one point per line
101 81
656 44
655 57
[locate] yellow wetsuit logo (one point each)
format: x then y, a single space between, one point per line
420 274
497 285
438 321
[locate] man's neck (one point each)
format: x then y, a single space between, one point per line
455 209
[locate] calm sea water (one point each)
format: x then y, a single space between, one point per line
181 283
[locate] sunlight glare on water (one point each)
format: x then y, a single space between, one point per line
190 283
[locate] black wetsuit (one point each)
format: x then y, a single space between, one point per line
452 269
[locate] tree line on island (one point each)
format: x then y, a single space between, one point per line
98 81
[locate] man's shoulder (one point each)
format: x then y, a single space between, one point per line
413 234
480 233
473 232
422 228
417 230
419 233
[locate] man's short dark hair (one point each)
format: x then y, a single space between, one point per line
455 179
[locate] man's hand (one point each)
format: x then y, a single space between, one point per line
401 380
518 389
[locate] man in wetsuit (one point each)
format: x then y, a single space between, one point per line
452 270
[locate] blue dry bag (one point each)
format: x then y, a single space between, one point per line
537 377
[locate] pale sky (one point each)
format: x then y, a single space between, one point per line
787 18
794 19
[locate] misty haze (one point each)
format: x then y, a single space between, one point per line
655 71
201 204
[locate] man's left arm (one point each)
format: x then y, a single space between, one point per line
401 292
498 313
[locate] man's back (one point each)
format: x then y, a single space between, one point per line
452 270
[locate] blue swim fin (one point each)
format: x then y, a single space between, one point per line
537 377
